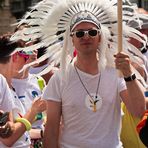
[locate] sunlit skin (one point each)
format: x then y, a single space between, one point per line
86 45
20 61
86 48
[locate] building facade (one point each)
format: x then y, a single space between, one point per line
6 18
141 3
13 10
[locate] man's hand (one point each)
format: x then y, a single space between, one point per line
123 63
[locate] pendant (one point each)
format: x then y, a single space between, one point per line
94 102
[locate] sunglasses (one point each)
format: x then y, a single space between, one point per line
81 33
23 54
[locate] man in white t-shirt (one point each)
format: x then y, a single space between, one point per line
86 93
20 137
88 98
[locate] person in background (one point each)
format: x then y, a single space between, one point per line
142 128
144 30
42 65
129 135
28 87
20 120
6 102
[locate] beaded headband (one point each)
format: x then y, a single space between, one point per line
84 16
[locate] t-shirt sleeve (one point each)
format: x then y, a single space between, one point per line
121 85
53 89
6 98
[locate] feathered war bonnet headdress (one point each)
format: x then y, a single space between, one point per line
52 22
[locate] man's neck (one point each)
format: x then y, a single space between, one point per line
87 65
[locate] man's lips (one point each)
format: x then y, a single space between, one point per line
85 43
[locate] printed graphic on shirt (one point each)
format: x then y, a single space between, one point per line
34 94
22 99
94 102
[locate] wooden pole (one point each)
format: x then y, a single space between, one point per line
120 25
119 12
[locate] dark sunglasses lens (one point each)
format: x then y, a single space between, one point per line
92 32
79 34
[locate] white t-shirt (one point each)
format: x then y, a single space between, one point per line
24 140
84 128
6 98
27 90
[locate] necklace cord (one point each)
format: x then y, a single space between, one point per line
85 86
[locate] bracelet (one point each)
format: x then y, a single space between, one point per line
130 78
25 122
39 116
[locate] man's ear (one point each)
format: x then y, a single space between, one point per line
99 39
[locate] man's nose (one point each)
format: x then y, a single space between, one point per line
86 35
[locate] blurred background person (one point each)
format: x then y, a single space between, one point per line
20 118
129 135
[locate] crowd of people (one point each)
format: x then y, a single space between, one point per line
64 83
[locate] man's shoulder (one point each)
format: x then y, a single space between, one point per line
110 71
2 78
62 75
3 82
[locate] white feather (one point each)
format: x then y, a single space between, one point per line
46 69
54 16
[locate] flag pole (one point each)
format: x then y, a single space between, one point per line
120 45
119 25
